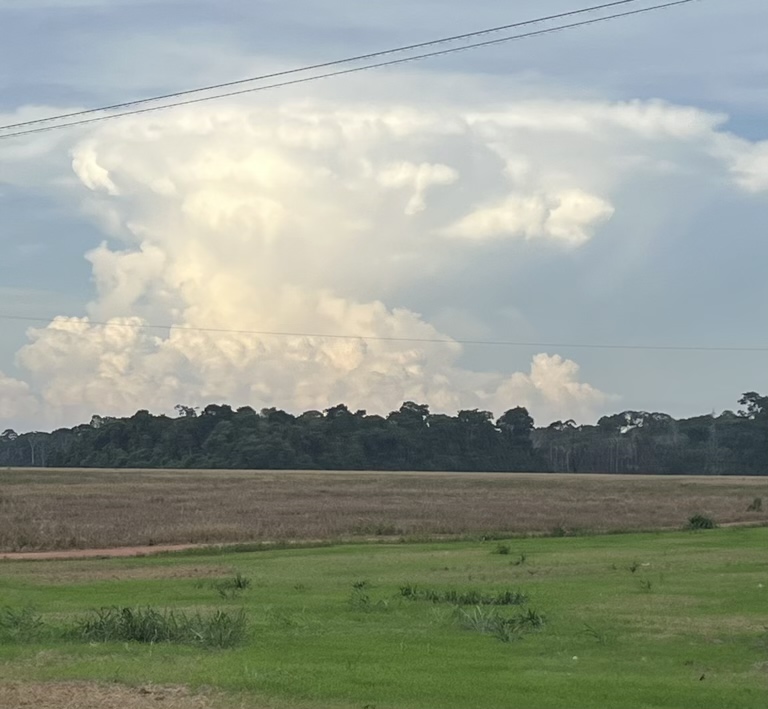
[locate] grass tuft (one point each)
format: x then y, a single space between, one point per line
463 598
20 626
232 587
490 621
520 560
599 635
359 600
700 522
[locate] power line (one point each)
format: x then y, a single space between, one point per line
382 338
322 65
340 72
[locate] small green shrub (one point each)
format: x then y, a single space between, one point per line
503 549
700 522
756 505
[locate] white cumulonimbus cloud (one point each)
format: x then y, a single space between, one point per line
230 223
16 399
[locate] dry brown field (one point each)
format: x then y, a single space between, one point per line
42 509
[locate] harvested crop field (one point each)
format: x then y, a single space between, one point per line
43 509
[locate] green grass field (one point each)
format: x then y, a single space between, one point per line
673 619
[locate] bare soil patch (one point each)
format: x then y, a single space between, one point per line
73 572
108 552
91 695
152 510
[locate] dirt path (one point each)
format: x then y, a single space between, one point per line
114 552
123 552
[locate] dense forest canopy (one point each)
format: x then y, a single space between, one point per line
411 438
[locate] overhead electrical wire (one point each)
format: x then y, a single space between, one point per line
363 57
323 65
384 338
340 72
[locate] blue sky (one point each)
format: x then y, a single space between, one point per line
606 185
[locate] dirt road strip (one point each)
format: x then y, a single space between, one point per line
114 552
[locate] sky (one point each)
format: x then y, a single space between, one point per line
604 185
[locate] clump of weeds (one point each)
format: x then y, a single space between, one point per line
598 635
360 600
21 626
463 598
220 629
490 621
698 522
232 587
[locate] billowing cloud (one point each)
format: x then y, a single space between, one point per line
418 178
119 366
16 399
749 163
234 225
554 381
570 216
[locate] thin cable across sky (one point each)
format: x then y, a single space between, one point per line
316 77
383 338
322 65
115 111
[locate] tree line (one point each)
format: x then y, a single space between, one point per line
411 438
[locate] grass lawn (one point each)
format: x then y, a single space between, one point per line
672 619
